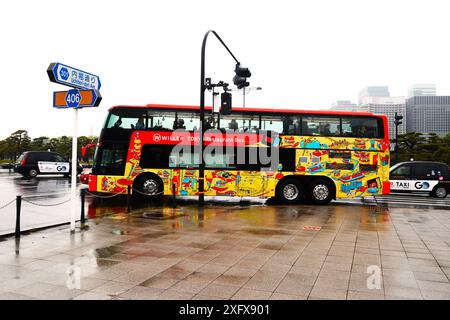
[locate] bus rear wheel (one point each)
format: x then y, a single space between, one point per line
149 185
320 191
290 191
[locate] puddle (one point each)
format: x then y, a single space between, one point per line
265 231
155 234
106 263
375 214
162 216
271 246
120 232
107 252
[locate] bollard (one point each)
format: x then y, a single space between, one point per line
83 196
18 205
128 198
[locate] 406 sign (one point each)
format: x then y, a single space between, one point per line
73 98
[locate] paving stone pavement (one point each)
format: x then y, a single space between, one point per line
235 252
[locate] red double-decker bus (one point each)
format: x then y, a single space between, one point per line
320 155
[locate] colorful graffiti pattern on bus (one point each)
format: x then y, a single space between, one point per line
357 167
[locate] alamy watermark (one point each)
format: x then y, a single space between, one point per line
374 280
73 272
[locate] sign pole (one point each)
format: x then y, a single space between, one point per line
84 93
74 171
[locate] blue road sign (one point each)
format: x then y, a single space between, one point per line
73 98
72 77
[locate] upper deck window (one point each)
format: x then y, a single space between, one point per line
362 127
187 121
162 121
287 124
127 120
239 122
321 126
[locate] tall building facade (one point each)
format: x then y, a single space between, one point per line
418 90
344 105
388 106
373 91
428 114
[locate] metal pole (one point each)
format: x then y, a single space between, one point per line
201 177
18 206
174 200
201 173
83 196
396 139
74 171
128 198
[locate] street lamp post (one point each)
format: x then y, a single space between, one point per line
244 92
203 87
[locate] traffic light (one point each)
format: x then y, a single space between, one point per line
240 79
225 107
398 119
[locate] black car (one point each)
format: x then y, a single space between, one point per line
421 176
32 163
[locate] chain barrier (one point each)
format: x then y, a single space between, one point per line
149 195
46 205
7 204
103 197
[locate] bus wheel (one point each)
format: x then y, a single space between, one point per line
320 191
149 185
439 192
290 191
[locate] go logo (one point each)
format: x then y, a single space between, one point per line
421 185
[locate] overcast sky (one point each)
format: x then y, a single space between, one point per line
304 54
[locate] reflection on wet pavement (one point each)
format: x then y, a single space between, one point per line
235 252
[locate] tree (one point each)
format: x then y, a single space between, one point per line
447 139
432 148
16 143
40 144
442 154
409 144
19 141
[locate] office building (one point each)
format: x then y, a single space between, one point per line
419 90
344 105
373 91
428 114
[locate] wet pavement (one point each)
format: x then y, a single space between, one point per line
45 201
339 251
